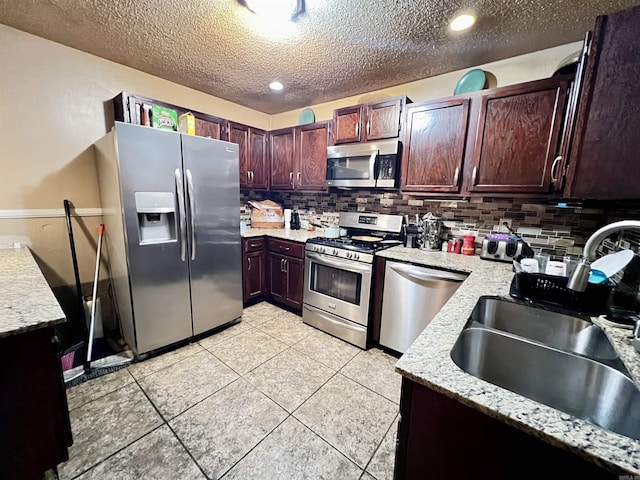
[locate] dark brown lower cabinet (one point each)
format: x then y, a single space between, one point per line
254 278
439 437
34 419
286 280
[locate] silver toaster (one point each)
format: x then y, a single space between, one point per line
503 250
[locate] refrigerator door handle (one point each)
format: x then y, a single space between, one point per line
181 218
192 212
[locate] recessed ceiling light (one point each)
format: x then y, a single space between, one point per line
276 86
275 9
462 22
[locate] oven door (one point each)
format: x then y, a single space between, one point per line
341 287
352 169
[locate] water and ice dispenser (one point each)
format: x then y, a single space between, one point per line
156 217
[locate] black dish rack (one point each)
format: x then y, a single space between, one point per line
552 290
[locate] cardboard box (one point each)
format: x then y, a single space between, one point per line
187 123
165 118
266 214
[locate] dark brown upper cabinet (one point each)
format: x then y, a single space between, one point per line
370 121
517 137
213 128
252 151
604 159
434 146
299 157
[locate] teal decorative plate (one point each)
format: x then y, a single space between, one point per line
307 116
472 81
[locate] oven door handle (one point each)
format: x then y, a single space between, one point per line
341 264
420 274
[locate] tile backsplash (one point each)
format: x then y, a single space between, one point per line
552 228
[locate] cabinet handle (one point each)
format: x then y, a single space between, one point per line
291 178
368 127
249 264
299 179
254 245
283 249
556 162
473 176
286 268
248 178
357 129
455 176
282 265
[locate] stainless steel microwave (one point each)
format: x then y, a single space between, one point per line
372 165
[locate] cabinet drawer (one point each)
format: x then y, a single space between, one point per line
253 244
285 247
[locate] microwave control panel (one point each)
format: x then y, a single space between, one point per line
387 167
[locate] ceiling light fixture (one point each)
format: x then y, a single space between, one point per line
275 9
462 22
276 86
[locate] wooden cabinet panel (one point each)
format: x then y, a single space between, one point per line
239 134
277 277
294 269
282 155
517 137
383 119
604 157
347 124
311 142
284 247
254 278
434 146
211 129
258 171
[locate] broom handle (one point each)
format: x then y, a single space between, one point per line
95 293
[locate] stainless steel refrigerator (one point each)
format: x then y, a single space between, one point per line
171 207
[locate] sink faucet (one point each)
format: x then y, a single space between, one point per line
580 277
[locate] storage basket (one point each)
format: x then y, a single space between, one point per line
550 289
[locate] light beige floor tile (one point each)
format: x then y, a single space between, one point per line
260 313
223 428
328 350
376 370
157 455
383 462
92 389
223 335
293 452
247 350
102 427
287 327
289 378
153 364
183 384
349 416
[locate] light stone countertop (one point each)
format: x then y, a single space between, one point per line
26 300
428 362
283 233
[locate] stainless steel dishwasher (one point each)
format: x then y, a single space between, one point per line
412 296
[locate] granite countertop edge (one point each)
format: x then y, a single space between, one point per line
428 363
281 233
26 302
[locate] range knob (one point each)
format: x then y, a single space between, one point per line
356 256
335 252
321 249
349 254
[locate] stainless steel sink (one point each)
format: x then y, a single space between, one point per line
565 362
572 334
579 386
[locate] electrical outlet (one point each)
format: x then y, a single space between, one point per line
502 226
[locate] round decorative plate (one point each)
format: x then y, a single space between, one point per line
472 81
307 116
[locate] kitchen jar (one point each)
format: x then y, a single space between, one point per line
468 245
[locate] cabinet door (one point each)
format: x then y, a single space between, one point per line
294 270
258 171
604 157
383 119
277 277
311 143
282 158
239 134
216 129
434 146
347 124
517 137
253 280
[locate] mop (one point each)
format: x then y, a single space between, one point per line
93 369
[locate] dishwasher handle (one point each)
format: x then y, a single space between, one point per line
426 274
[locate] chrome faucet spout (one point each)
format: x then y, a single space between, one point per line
580 277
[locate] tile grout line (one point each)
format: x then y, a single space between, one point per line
393 422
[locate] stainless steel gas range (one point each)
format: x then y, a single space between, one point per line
338 274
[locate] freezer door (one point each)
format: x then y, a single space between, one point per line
213 210
151 181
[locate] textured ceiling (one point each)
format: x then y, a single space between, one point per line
337 48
